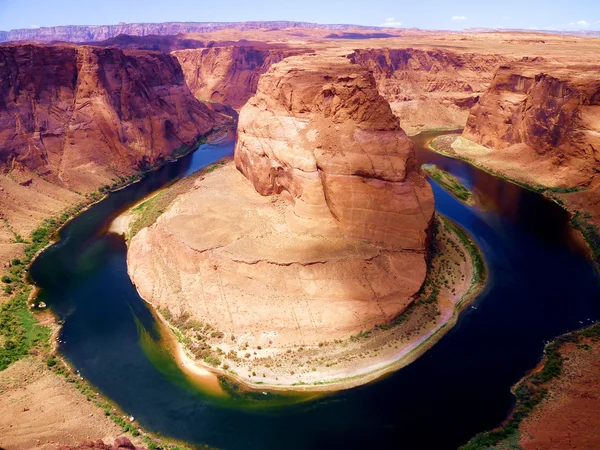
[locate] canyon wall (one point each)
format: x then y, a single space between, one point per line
81 116
325 233
542 121
90 33
430 88
228 74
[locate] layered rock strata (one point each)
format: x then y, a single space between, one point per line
430 88
539 124
543 123
324 235
90 33
228 74
81 116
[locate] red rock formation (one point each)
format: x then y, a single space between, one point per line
429 88
544 115
228 74
318 130
79 116
341 249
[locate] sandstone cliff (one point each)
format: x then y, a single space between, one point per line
228 74
318 130
541 121
325 238
81 116
430 88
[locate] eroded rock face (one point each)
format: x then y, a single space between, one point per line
227 74
322 236
318 130
79 116
430 88
545 116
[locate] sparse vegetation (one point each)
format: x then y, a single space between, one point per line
533 389
450 183
590 233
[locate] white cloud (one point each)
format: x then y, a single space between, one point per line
459 18
391 22
579 24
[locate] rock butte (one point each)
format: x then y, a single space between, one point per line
326 237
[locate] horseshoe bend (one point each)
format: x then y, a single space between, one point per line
320 233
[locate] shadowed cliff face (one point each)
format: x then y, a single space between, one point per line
543 116
433 88
78 116
227 74
318 130
549 112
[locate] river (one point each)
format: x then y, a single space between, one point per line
540 285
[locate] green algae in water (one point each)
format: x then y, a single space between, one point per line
229 393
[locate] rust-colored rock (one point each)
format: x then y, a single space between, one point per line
430 88
121 443
81 116
227 74
541 121
318 130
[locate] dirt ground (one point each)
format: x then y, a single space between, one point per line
41 410
568 417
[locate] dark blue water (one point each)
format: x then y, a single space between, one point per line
540 285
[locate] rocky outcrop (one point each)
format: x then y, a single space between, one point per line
430 88
319 131
81 116
324 236
91 33
541 121
228 74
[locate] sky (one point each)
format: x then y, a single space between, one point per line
425 14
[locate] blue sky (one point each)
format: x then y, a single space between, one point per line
426 14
